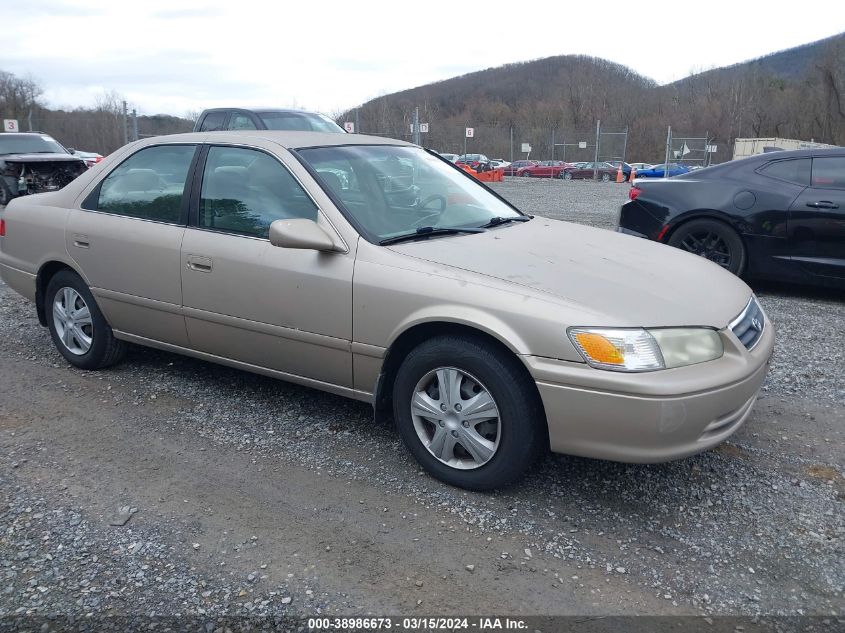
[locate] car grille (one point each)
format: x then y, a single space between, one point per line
749 325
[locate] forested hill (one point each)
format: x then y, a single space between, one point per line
795 93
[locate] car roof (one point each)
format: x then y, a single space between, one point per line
285 138
256 110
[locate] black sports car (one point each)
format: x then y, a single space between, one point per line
777 216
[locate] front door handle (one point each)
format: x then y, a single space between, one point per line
198 263
823 204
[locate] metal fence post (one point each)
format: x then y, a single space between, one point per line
668 149
596 161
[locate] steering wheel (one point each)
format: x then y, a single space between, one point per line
436 213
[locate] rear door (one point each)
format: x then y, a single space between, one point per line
126 239
816 223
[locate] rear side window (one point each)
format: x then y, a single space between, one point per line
213 122
244 191
149 185
796 171
829 172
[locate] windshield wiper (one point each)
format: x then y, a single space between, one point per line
500 220
425 231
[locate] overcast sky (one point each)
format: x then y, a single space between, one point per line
176 56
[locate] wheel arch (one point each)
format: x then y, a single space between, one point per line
45 273
702 214
417 334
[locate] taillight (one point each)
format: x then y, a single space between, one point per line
2 228
633 192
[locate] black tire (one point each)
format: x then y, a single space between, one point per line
567 175
522 429
714 240
526 174
605 177
104 349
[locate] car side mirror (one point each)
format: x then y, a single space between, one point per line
300 233
70 150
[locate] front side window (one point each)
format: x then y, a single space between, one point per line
246 190
391 191
829 172
148 185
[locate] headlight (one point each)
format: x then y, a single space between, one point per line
637 349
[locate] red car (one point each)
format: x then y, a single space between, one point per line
545 169
515 166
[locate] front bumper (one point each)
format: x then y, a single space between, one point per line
651 416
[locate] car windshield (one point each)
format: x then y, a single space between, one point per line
29 144
392 191
300 121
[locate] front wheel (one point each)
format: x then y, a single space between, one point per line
77 327
714 240
567 175
605 177
468 413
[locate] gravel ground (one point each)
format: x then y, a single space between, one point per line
253 496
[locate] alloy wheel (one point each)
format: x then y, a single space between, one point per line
710 245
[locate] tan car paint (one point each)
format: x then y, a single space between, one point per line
327 319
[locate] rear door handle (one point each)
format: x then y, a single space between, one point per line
81 241
823 204
198 263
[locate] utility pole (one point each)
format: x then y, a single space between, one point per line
357 122
596 160
134 124
125 126
668 149
553 143
416 126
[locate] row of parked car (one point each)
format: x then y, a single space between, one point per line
602 170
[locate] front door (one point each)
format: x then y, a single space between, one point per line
126 239
816 222
244 299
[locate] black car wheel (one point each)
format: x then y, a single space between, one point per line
605 177
567 175
714 240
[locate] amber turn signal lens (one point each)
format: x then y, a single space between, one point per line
599 348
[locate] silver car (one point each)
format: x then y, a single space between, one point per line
370 268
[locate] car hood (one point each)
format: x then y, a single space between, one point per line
614 279
40 158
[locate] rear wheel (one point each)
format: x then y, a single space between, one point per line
605 177
77 327
714 240
467 413
567 175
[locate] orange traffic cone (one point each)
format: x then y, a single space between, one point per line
633 174
620 177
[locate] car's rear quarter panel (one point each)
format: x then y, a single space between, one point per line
35 235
